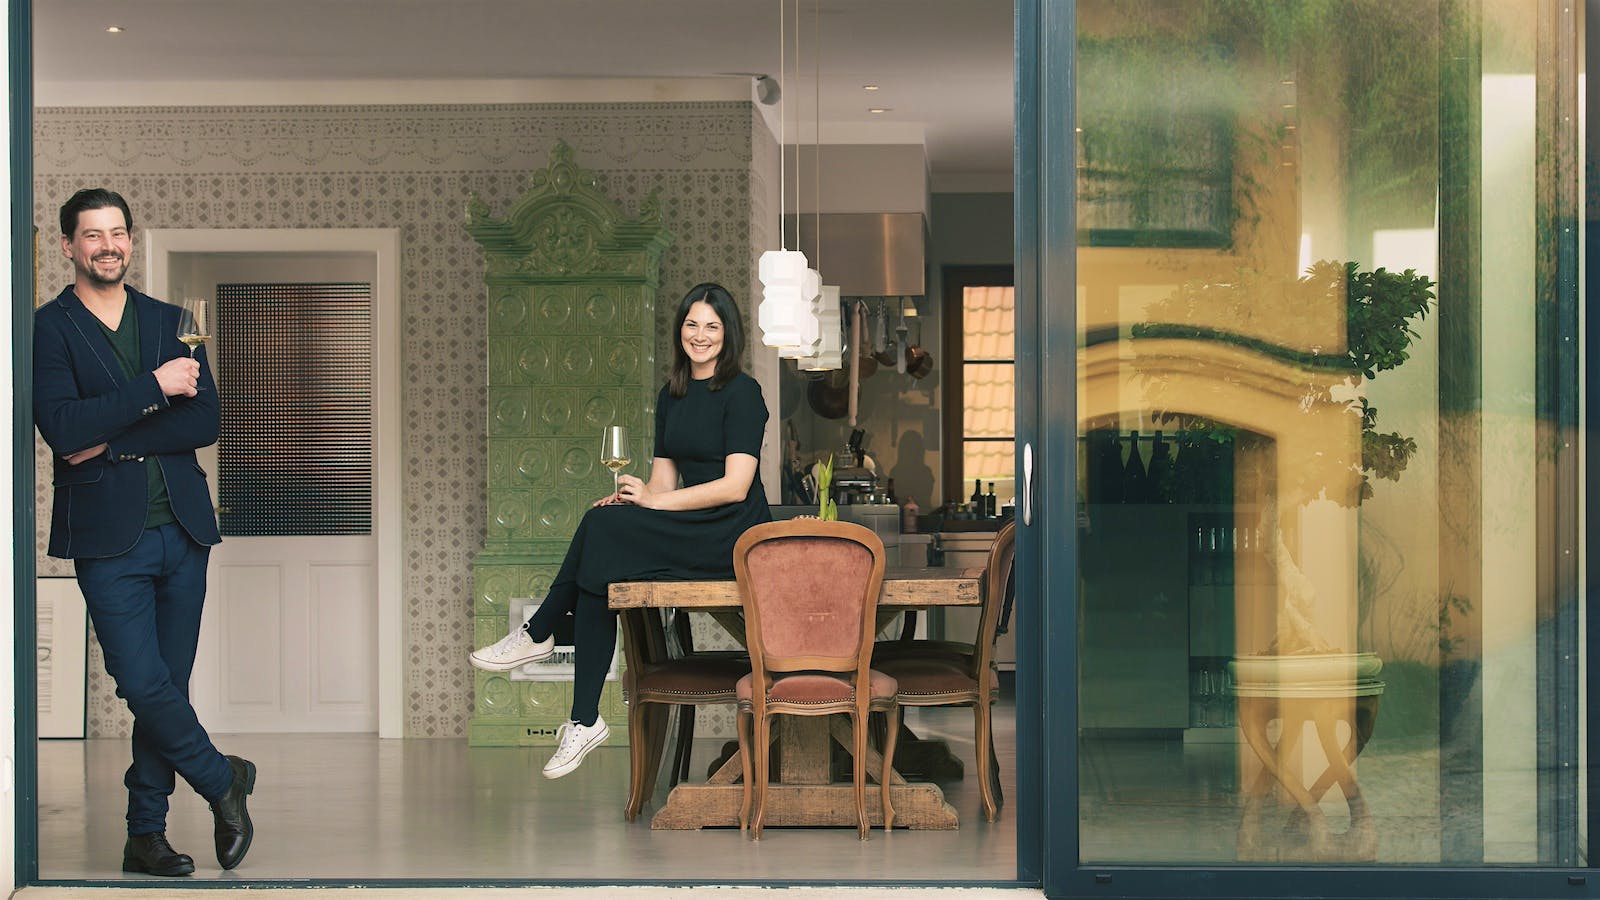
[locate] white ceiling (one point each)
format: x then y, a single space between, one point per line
944 66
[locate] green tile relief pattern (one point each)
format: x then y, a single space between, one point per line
570 344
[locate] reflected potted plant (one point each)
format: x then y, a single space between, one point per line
1380 310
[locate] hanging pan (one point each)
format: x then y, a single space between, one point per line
830 395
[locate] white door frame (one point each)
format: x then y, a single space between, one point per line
384 244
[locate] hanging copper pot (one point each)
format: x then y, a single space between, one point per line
919 362
830 395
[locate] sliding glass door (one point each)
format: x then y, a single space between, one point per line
1314 529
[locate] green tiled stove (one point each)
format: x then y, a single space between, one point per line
570 285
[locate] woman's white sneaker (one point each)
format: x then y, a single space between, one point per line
515 649
573 743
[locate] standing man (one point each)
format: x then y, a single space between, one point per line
123 407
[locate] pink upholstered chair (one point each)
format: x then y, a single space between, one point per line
810 592
939 673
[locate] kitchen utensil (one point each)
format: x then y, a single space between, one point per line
855 365
829 395
885 350
917 362
858 437
869 363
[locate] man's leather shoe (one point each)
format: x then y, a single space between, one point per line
234 830
151 854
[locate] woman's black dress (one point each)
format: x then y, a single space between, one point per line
624 542
697 432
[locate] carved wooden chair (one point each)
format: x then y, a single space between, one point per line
657 682
943 674
810 593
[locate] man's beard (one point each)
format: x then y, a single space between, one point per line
93 276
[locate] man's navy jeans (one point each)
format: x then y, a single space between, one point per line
145 605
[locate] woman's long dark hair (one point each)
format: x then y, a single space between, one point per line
728 361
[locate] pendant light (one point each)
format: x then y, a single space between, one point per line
830 346
828 352
789 286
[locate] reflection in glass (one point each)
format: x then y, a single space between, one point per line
1328 626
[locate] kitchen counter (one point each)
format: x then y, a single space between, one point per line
882 518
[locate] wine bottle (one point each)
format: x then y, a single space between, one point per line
1188 471
991 503
1135 480
1160 471
1105 485
977 498
888 493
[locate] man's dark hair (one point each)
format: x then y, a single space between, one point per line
92 198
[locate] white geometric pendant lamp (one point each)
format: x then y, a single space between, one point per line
830 343
788 288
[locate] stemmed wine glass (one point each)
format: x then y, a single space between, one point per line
614 452
194 323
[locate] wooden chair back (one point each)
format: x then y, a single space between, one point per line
996 581
810 592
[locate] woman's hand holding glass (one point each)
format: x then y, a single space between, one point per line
631 489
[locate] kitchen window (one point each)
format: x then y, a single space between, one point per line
980 383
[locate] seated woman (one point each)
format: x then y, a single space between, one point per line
709 421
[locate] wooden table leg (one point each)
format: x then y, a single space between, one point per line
806 794
1279 772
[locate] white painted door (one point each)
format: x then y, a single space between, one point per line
288 642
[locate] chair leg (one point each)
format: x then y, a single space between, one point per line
656 717
983 745
859 770
763 740
886 779
688 742
638 753
680 755
742 722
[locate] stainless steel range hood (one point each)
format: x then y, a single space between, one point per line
867 254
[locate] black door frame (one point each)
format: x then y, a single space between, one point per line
1046 547
19 25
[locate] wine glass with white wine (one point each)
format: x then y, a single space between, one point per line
614 452
194 323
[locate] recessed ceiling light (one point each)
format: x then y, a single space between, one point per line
114 29
878 109
869 87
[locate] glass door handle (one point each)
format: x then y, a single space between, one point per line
1027 484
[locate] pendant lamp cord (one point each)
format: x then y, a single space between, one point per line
783 75
797 127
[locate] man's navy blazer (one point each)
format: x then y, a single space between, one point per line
82 398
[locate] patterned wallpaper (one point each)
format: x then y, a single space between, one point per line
412 167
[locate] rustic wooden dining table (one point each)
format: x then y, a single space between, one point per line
806 793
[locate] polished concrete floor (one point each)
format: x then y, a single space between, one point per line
353 808
634 892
